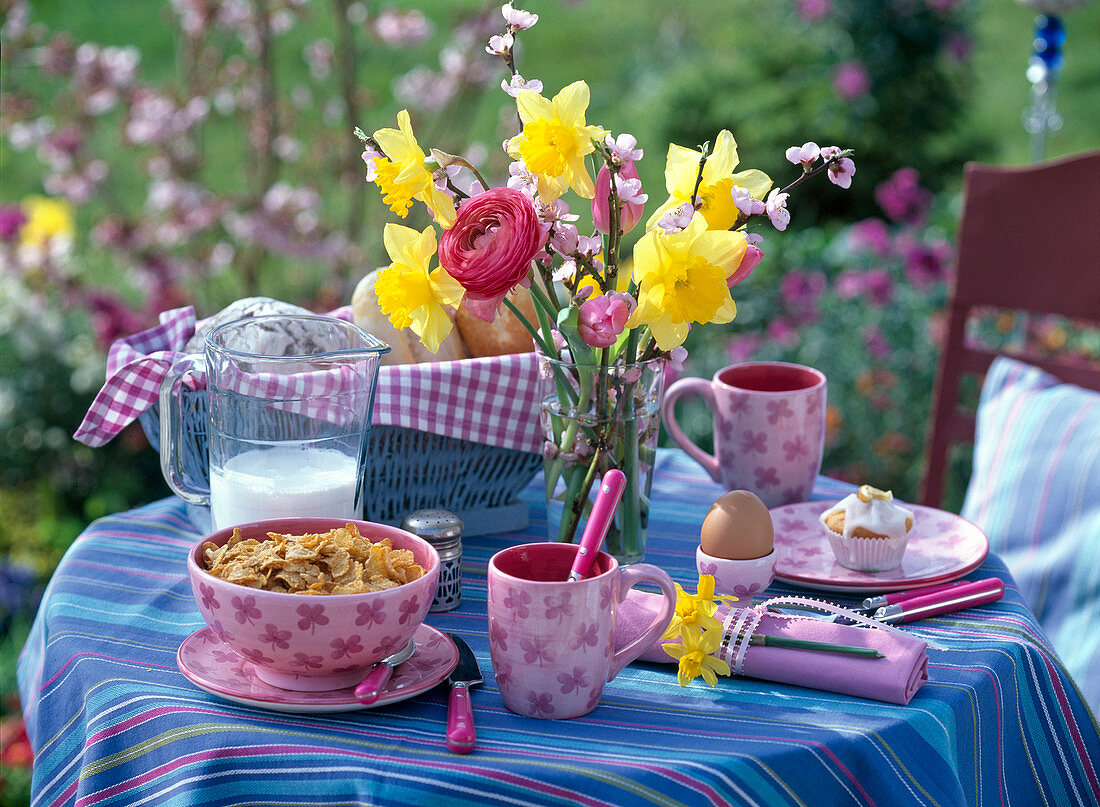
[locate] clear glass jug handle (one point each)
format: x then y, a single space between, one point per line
172 461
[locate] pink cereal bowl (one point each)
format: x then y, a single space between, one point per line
307 642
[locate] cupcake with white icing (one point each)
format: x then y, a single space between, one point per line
867 530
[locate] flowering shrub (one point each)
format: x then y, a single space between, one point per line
889 79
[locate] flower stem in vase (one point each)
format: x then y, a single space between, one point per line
611 422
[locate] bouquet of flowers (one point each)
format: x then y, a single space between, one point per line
605 327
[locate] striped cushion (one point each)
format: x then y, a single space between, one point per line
1036 493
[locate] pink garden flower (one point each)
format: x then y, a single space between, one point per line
12 219
603 318
800 291
902 198
490 247
813 10
927 264
628 187
871 235
851 80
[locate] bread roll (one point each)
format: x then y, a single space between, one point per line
505 334
256 307
405 345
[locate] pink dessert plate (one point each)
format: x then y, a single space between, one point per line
213 666
942 547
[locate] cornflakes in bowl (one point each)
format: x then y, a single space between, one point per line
313 603
339 561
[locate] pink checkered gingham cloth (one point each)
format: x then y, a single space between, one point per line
490 400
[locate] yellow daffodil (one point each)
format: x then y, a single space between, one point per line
403 176
681 279
695 659
47 220
694 610
555 140
715 191
411 295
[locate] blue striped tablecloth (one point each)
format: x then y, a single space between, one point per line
114 722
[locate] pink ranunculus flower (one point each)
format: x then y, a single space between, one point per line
603 318
490 247
601 203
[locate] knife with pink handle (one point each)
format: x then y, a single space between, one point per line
945 601
461 736
599 520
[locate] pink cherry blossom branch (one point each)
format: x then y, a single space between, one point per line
743 219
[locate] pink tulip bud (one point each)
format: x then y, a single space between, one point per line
601 203
603 318
751 259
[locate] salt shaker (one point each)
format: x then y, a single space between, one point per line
443 530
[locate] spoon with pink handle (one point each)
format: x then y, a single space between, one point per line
371 688
603 510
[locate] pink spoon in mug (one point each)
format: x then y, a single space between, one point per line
599 521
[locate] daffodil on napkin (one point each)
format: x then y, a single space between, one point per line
699 634
707 638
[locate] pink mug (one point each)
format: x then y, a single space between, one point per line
769 428
552 642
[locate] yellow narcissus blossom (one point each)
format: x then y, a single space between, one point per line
47 220
411 295
681 279
694 611
402 175
694 654
555 140
715 192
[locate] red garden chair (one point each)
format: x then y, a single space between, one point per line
1029 240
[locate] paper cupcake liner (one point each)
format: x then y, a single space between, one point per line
867 554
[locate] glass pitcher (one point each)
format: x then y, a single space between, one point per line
288 410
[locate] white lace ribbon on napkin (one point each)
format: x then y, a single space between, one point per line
740 624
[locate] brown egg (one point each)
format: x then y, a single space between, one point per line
738 526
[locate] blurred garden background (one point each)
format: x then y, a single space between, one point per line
191 152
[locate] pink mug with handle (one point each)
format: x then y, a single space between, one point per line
551 640
769 428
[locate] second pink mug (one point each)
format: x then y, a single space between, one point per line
552 641
769 428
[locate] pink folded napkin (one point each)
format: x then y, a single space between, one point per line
491 400
894 679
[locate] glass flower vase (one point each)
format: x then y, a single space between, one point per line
594 418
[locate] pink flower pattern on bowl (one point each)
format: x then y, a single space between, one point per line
303 642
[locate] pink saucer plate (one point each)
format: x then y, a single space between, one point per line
942 547
211 665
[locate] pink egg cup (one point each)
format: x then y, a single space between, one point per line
314 643
738 578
